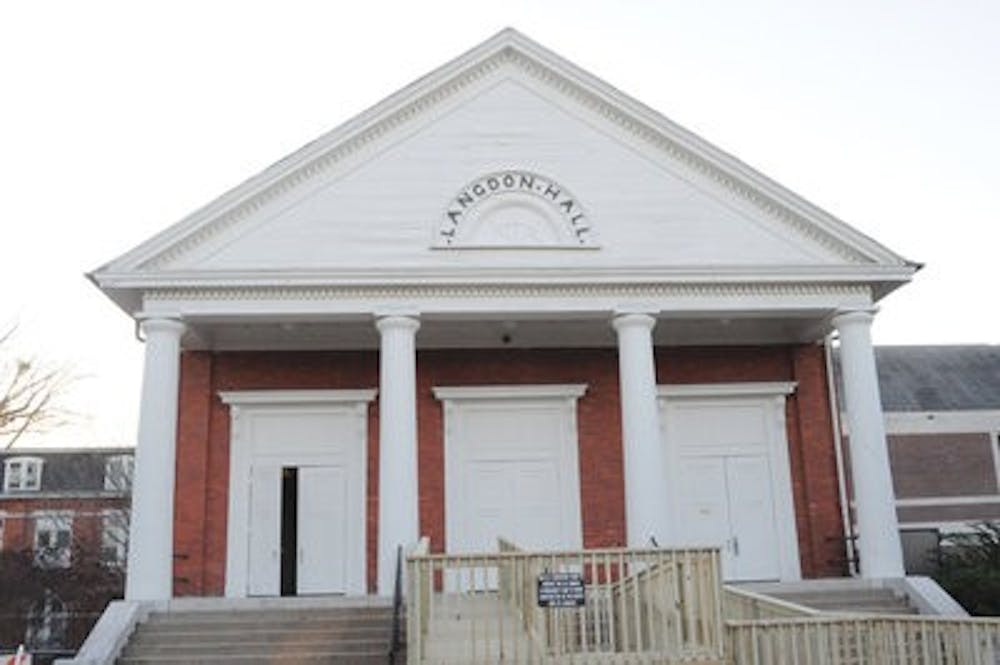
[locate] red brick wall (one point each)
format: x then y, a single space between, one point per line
203 436
19 519
201 498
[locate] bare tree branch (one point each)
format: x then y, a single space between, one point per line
29 392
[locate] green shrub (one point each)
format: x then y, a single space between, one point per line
970 568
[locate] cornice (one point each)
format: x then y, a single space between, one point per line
536 290
742 389
296 397
553 274
511 391
513 52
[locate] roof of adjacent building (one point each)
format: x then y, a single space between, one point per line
65 470
939 378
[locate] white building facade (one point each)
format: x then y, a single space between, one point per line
506 301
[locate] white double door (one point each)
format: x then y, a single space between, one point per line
511 467
727 501
322 434
322 534
728 477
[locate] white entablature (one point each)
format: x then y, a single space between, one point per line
378 204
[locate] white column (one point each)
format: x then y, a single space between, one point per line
878 529
398 516
151 533
645 495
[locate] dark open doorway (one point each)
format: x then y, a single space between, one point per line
289 529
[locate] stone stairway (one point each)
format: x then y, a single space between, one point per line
328 635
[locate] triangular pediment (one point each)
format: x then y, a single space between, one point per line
508 157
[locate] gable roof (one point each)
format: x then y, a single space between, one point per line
939 378
148 263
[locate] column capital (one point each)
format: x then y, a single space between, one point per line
397 322
622 320
847 317
165 324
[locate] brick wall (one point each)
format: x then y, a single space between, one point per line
942 464
203 436
19 519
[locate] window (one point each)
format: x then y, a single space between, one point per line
118 473
22 474
53 540
47 623
114 537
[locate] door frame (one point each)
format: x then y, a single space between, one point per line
564 396
245 407
772 394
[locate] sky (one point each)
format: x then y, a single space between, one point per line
119 118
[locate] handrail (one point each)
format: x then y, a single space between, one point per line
600 551
743 604
397 605
639 606
859 638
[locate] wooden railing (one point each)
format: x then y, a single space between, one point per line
864 640
639 606
741 604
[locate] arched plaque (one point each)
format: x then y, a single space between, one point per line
517 209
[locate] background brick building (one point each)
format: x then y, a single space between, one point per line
63 542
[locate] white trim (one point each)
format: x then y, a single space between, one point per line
513 391
775 393
566 394
742 389
244 405
948 501
942 422
298 397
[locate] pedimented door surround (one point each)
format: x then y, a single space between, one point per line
322 429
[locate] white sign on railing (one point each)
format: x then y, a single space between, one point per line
561 590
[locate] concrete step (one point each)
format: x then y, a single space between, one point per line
250 636
331 614
873 600
840 593
313 658
255 648
235 624
164 635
